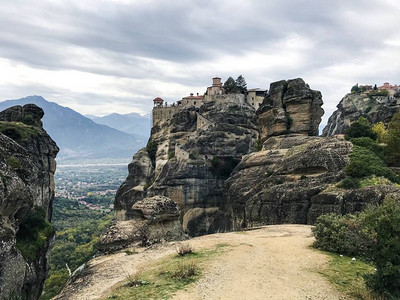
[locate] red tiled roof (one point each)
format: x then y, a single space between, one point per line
158 99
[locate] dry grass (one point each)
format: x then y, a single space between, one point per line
184 249
185 270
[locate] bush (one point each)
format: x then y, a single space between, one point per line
364 162
385 222
151 148
350 183
343 235
393 140
33 233
372 235
171 155
184 249
185 271
368 143
360 128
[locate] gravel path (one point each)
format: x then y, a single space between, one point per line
273 262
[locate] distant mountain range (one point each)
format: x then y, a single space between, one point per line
132 123
79 137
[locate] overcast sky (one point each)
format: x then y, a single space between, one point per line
99 56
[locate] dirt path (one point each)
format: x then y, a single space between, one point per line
273 262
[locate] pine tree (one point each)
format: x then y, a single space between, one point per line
241 84
230 86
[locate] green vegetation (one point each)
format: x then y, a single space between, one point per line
392 140
360 128
258 145
368 158
18 131
381 132
355 89
152 151
349 275
238 86
13 162
28 120
78 231
372 235
165 276
33 233
171 155
374 93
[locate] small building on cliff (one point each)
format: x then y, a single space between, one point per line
255 97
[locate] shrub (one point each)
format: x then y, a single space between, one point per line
381 132
185 271
360 128
151 148
364 162
28 120
33 233
171 155
342 234
258 145
13 162
350 183
385 222
383 93
184 249
368 143
393 140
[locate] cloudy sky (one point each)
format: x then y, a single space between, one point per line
104 56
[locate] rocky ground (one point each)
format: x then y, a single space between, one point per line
272 262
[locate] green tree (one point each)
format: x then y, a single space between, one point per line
381 132
241 84
355 89
393 140
360 128
375 88
230 86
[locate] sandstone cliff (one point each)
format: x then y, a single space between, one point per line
27 166
206 160
352 106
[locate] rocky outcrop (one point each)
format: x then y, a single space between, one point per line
27 166
290 107
191 161
153 219
352 106
276 185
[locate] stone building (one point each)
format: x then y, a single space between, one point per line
255 97
215 89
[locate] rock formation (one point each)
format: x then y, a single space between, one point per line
352 106
27 166
153 219
204 159
290 107
193 154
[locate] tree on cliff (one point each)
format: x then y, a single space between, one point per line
230 86
393 140
241 84
360 128
355 89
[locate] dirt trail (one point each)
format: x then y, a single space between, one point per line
273 262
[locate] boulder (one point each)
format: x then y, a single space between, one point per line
155 219
290 107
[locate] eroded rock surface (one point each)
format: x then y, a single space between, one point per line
290 107
352 106
27 166
153 219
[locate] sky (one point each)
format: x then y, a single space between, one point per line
99 57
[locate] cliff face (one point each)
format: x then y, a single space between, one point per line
352 106
27 166
290 107
205 160
195 152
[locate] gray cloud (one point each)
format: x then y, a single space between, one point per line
177 46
